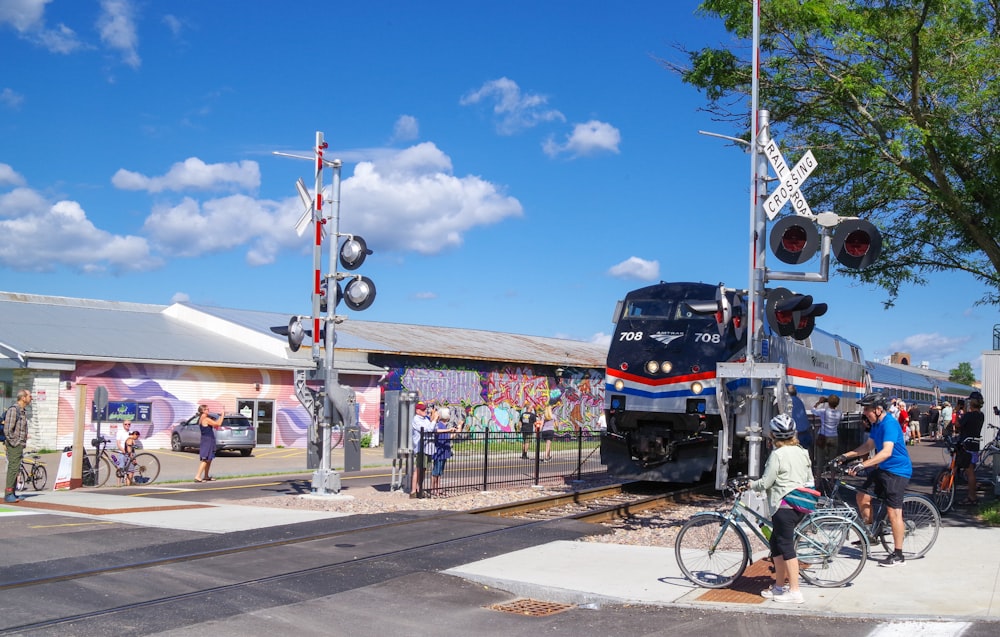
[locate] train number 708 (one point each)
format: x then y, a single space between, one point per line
707 337
630 336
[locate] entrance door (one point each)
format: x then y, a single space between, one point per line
261 413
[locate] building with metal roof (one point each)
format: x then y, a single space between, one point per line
159 362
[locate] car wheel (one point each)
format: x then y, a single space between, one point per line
245 452
175 443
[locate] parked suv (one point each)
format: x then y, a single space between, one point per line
235 434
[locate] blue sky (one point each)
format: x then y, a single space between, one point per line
515 166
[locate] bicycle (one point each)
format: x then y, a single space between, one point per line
144 467
945 480
713 549
32 470
920 515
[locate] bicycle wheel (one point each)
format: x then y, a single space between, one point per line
711 550
106 470
147 468
22 479
831 549
39 477
944 490
922 522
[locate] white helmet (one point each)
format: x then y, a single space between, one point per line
444 414
782 427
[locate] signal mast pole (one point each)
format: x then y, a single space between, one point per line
758 228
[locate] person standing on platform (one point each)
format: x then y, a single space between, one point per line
419 428
830 418
206 450
970 426
16 432
528 419
442 449
788 468
803 428
944 423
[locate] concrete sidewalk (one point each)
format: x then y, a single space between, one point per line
958 578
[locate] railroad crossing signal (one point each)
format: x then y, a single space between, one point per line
791 182
791 314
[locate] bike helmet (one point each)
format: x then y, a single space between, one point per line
782 427
874 399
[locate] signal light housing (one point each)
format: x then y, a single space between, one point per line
794 239
353 253
359 293
791 314
856 243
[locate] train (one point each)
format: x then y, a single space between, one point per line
667 407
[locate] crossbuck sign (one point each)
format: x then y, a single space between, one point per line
791 181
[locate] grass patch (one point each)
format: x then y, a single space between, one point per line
990 514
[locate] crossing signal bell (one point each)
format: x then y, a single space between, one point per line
791 314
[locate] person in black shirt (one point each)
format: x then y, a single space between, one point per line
970 426
528 419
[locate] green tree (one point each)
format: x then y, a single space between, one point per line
962 374
899 100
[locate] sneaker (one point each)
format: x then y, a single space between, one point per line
894 559
524 456
789 597
10 498
773 592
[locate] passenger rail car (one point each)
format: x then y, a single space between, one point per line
915 386
665 404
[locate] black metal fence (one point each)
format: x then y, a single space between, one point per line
483 460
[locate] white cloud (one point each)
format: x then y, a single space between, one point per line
11 98
27 17
412 201
590 138
180 297
425 296
23 15
514 111
194 174
117 27
929 347
9 176
174 24
50 235
600 338
406 129
636 268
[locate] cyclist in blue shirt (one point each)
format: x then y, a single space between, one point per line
892 465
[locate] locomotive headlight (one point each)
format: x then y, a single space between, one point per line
666 366
697 388
652 367
619 384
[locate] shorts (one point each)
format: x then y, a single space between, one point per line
527 434
438 467
548 434
965 459
889 487
783 534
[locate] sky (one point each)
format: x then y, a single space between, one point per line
514 167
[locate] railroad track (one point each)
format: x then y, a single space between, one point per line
600 504
336 557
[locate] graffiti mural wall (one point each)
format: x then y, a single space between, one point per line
494 396
174 393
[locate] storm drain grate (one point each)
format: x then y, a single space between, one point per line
531 607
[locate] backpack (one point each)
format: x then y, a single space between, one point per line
3 422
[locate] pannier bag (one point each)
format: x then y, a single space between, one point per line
802 499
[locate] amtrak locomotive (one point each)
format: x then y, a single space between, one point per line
667 408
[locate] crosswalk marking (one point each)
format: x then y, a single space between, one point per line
920 629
